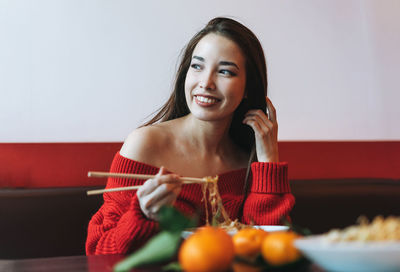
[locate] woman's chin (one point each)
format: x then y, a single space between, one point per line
209 117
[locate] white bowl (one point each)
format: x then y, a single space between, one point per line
272 228
351 256
268 228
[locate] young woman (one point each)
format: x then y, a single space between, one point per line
217 121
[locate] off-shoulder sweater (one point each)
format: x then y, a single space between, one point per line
120 226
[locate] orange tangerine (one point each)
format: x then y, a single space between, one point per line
208 249
247 242
278 248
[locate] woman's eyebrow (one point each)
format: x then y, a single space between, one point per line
229 63
226 63
198 58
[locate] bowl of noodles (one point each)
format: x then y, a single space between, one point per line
232 231
213 202
368 246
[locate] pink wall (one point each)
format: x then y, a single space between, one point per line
94 72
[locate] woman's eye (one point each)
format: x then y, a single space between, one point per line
227 73
195 66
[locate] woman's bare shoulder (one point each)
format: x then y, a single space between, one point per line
145 144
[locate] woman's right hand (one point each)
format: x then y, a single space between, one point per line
159 191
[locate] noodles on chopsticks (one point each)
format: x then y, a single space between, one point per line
219 215
209 185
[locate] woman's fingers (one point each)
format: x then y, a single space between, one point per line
266 132
161 190
159 185
271 110
260 117
167 199
151 184
162 171
258 126
165 194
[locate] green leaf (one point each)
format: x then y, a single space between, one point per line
171 219
175 266
161 247
296 228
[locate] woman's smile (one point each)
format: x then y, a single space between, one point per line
206 101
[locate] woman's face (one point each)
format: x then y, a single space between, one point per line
216 79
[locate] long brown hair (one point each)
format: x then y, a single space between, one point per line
256 79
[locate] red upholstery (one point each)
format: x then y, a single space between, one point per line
325 160
34 165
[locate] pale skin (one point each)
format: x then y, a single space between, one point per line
214 87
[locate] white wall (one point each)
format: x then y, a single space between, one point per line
93 70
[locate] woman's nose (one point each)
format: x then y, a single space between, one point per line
207 82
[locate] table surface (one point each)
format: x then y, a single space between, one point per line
102 263
71 263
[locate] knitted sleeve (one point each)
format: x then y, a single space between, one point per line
269 197
119 226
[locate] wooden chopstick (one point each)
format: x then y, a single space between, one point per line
118 189
185 180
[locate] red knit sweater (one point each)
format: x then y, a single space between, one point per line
120 226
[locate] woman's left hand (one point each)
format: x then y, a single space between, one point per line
266 132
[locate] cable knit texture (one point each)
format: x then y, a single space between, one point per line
119 226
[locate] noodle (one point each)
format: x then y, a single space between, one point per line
379 229
219 215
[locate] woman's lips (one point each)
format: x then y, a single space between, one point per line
205 101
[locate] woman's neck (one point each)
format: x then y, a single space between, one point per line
210 137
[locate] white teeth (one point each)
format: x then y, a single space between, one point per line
206 99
